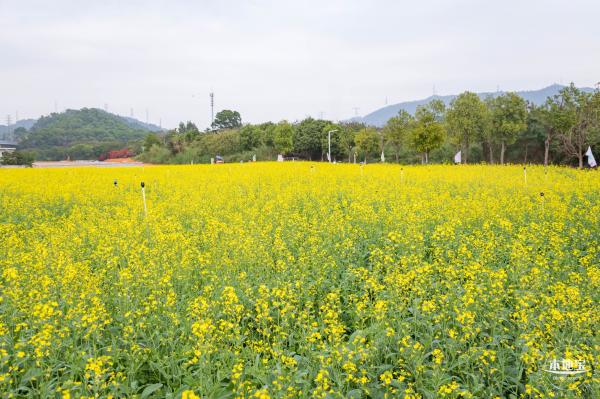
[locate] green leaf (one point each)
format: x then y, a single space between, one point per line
150 389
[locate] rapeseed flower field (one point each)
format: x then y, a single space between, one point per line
294 280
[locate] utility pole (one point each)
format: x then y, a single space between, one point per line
131 112
105 107
212 107
55 106
146 115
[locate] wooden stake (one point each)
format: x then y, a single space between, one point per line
144 199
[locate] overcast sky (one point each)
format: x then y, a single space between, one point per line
274 60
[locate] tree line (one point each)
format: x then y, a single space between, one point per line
498 129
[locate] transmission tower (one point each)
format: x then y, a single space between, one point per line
8 123
212 107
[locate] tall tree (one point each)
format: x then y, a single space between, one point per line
267 133
308 135
283 137
188 130
508 119
578 120
428 131
367 142
151 140
348 136
227 119
396 131
250 137
467 120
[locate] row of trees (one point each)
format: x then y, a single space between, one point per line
495 129
570 120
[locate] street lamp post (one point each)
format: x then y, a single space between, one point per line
329 144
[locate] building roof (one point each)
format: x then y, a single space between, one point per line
4 143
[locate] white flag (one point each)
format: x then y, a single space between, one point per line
382 157
457 157
590 157
279 158
254 158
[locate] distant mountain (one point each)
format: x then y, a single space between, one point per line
141 125
380 117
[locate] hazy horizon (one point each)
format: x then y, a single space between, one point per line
283 60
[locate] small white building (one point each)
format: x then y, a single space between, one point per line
7 146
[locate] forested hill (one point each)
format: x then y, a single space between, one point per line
84 133
79 126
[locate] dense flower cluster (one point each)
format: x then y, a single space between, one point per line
298 280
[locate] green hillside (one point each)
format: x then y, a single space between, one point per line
79 134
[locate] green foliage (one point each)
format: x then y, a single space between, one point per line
508 119
227 119
307 138
283 139
250 137
267 133
76 126
428 132
526 134
577 120
467 120
17 158
151 140
221 143
396 131
79 134
19 133
367 142
188 130
156 154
